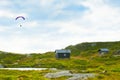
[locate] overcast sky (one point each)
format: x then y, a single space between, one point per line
55 24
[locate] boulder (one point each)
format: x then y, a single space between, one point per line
58 74
1 66
73 76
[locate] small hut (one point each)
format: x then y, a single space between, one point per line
103 51
64 53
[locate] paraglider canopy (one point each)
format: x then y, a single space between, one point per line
20 17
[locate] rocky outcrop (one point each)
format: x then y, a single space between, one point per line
80 76
58 74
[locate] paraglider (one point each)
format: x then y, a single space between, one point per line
20 17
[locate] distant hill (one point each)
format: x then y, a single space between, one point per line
84 59
93 47
86 50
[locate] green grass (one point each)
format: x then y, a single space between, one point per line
84 59
26 75
22 75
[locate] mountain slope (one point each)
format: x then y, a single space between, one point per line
93 47
84 59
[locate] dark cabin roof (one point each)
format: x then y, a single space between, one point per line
63 51
104 49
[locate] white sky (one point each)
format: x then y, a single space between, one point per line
56 24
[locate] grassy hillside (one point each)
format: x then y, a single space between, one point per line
92 47
84 59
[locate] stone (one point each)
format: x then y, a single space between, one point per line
73 76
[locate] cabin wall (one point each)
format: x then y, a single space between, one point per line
62 55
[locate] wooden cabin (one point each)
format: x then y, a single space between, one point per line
64 53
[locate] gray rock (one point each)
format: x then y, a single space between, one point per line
58 74
1 66
80 76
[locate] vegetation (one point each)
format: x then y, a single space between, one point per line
22 75
84 59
